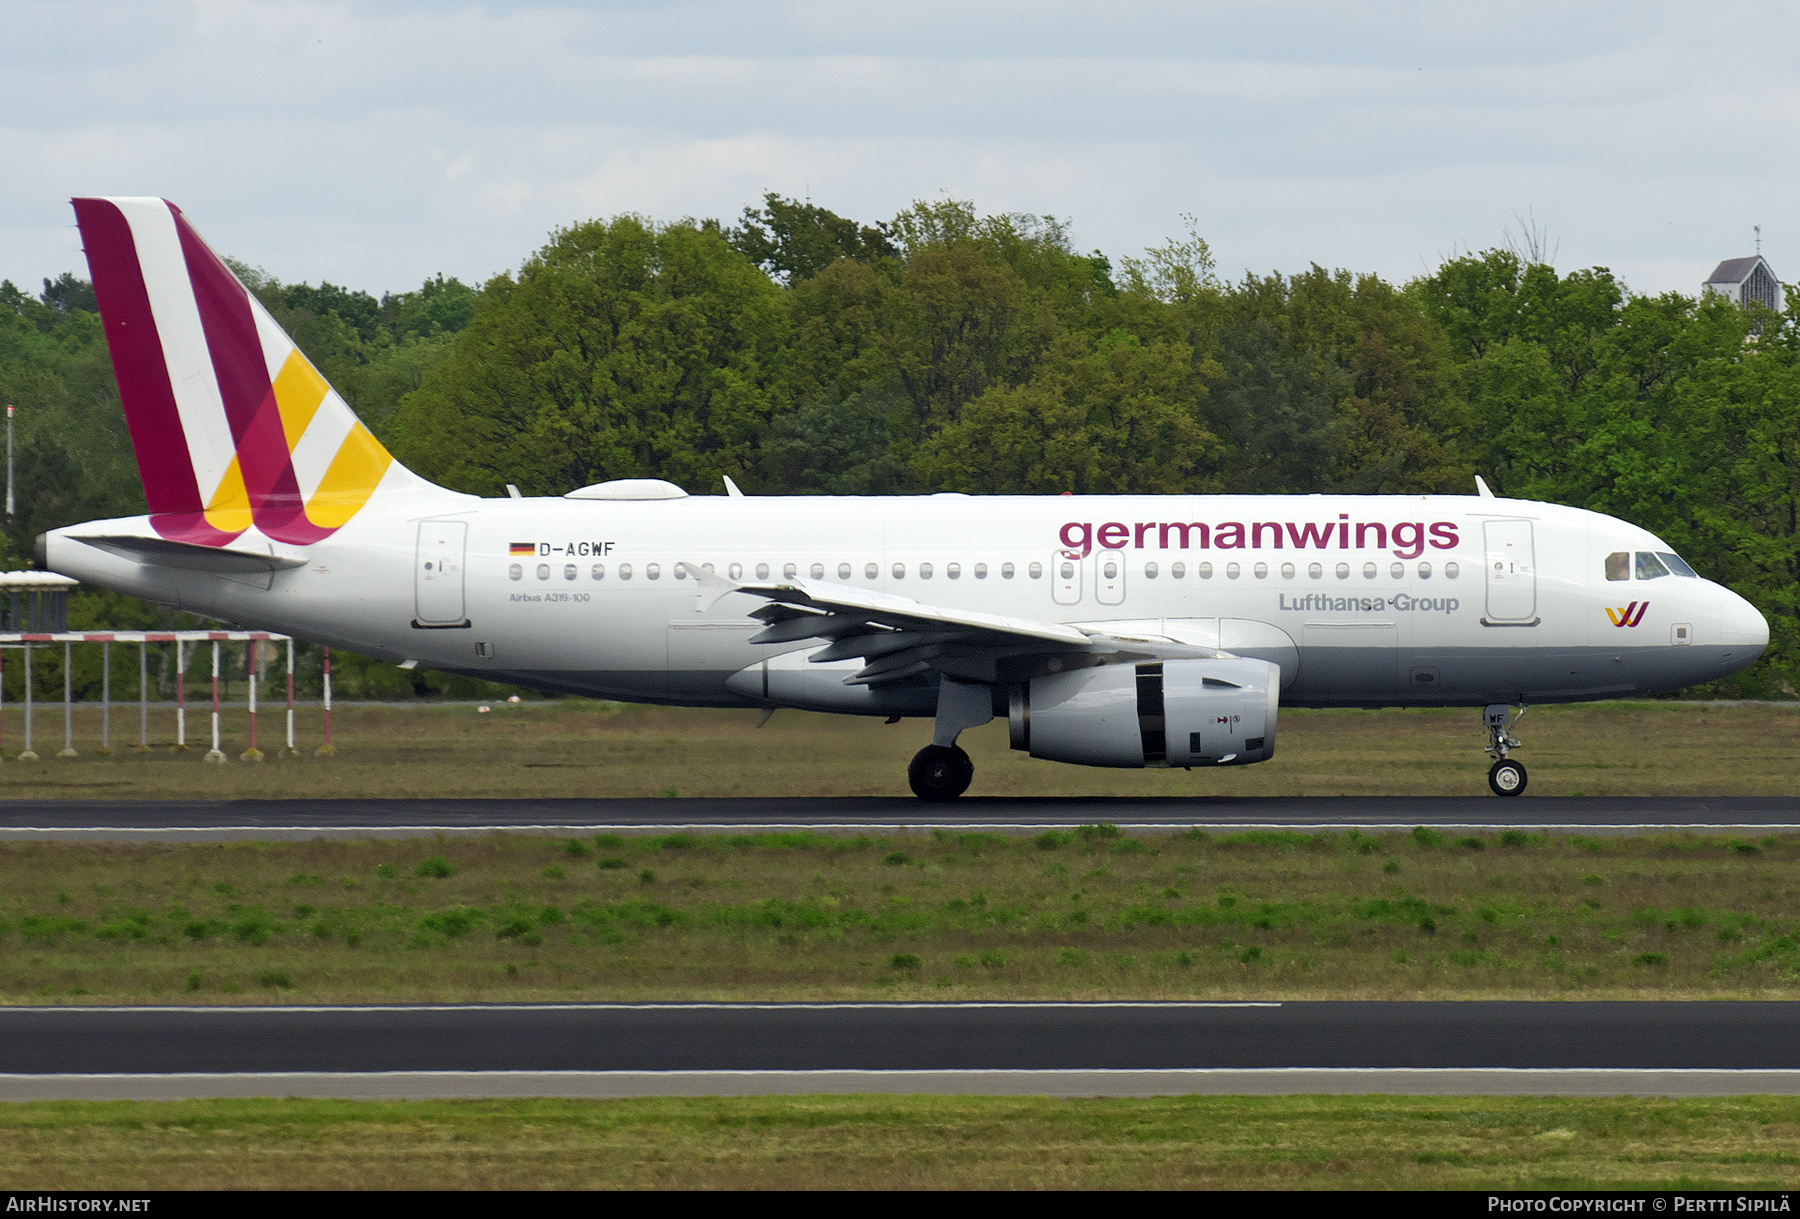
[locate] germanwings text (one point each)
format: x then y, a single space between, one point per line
1407 539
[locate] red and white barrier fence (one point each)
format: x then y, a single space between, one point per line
27 641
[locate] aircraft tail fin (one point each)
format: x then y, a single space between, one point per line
232 427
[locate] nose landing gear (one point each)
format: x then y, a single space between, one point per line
1506 777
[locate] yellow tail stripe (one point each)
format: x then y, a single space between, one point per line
229 508
350 480
299 391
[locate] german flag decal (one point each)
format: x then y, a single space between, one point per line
522 548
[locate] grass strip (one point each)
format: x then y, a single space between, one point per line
574 747
906 1142
1086 914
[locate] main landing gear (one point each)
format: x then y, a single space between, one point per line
942 771
1506 777
939 773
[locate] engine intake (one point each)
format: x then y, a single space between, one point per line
1161 713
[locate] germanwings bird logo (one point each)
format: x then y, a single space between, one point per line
233 428
1631 615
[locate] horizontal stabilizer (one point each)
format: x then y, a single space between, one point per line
161 552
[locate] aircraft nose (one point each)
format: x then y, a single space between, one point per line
1742 625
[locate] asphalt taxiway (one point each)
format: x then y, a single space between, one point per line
306 818
1670 1048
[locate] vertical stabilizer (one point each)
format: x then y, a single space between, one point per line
233 428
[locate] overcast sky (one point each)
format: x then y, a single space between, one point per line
373 144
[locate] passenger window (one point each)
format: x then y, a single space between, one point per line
1397 570
1343 571
954 571
1261 571
1677 564
543 571
1287 571
818 571
515 571
624 571
1649 567
1177 571
1618 565
1368 571
1149 571
924 571
1451 570
1035 571
735 571
1232 571
1006 571
843 571
789 571
871 571
981 571
599 572
653 570
1315 571
899 571
1424 571
569 571
1203 570
762 571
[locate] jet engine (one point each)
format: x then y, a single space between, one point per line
1216 712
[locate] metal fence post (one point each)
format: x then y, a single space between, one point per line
106 696
215 754
143 745
290 751
325 750
252 754
181 745
26 754
68 749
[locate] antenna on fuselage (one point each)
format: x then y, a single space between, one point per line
731 489
1481 488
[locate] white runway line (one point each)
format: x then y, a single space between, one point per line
1283 1081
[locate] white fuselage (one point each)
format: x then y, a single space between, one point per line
1362 600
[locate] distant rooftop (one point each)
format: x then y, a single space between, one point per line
1734 270
1742 280
18 581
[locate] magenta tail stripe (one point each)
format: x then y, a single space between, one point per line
244 386
157 437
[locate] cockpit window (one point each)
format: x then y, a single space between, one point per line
1677 564
1618 565
1649 567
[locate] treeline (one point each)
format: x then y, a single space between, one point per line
802 352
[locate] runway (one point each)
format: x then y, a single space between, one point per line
203 820
1056 1048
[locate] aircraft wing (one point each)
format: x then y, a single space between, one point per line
898 637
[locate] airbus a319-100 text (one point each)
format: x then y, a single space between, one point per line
1121 631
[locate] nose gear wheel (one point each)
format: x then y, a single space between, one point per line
1507 778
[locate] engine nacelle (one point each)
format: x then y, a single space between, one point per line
1158 713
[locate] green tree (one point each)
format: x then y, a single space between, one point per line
1112 417
623 349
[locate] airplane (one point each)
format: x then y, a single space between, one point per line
1109 630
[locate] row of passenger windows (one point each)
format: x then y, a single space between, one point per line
1314 571
1650 565
1109 570
789 571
